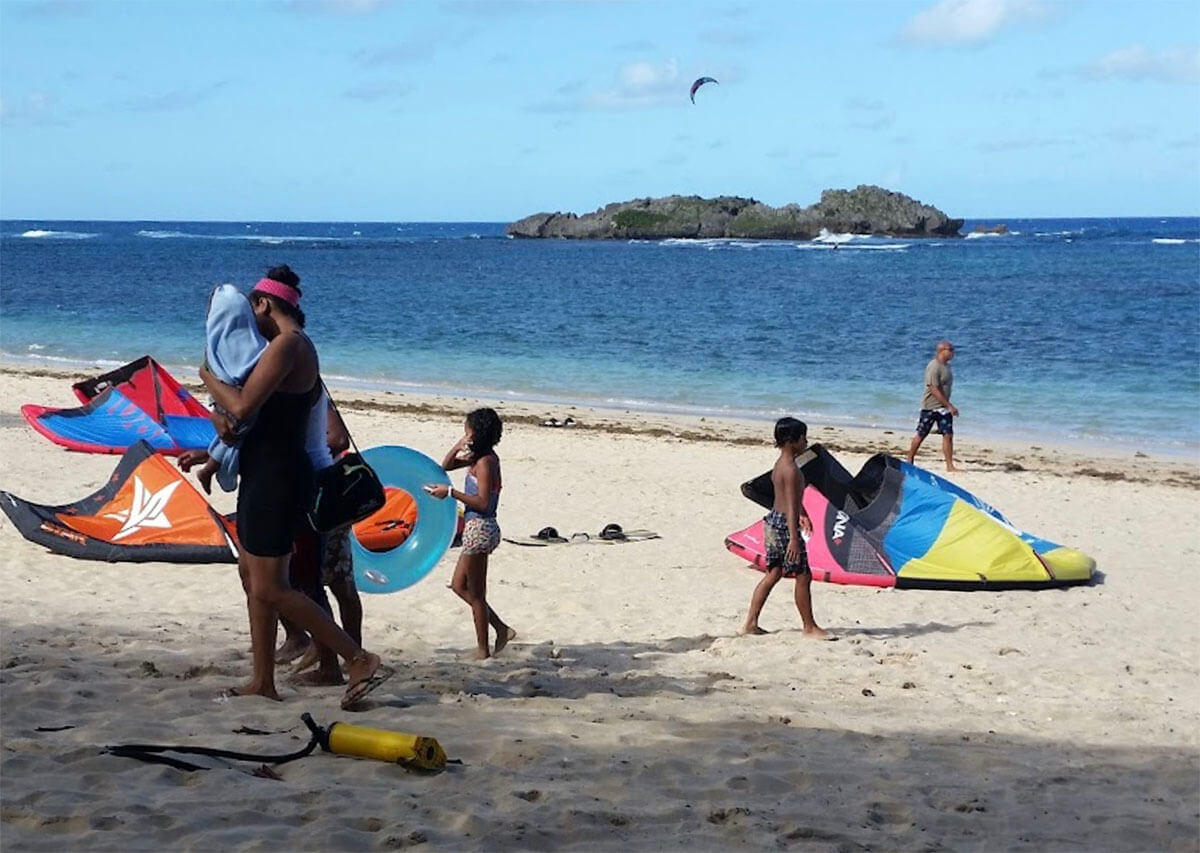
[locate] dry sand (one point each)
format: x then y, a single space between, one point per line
629 715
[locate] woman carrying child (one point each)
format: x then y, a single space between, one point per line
481 532
276 485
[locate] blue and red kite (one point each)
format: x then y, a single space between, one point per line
140 401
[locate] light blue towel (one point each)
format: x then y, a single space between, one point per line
233 346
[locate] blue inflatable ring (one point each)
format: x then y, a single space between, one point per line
409 562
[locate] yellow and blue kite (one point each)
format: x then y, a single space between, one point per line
894 524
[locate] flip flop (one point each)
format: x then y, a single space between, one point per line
613 534
545 536
358 691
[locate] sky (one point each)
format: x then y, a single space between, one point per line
490 110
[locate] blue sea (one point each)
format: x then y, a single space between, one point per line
1068 330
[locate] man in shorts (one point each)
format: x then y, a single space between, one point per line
936 408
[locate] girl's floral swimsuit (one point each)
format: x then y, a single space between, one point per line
481 531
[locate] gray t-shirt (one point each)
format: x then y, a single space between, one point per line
939 376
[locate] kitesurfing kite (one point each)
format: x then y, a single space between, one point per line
139 401
147 511
700 82
897 525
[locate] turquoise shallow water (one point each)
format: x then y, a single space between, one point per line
1067 330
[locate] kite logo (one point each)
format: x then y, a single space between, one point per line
839 526
64 533
147 510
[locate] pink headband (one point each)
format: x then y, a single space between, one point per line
279 290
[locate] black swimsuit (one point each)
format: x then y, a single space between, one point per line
276 474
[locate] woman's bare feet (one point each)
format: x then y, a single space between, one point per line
362 667
818 633
250 688
753 631
366 672
292 648
481 654
310 658
503 638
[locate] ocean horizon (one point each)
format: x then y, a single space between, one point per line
1083 331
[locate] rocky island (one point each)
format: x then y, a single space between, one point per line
863 210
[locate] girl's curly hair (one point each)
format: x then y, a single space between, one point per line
486 429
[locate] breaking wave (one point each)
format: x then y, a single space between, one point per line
57 235
272 239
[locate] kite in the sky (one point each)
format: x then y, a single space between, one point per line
700 82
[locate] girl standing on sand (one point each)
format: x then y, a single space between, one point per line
481 532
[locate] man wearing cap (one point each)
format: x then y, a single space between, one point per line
936 407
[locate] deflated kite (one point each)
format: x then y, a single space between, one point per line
896 525
139 401
147 511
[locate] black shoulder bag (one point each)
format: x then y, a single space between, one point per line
347 491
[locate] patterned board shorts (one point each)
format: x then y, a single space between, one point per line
480 536
776 538
929 417
337 560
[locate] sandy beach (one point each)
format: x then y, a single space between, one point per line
628 714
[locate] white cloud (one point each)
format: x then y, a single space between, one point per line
865 104
409 52
338 7
1129 134
54 9
170 101
36 108
1136 62
638 85
377 90
956 22
1022 144
729 37
880 122
640 46
869 114
640 78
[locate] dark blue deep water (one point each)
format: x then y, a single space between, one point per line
1080 329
